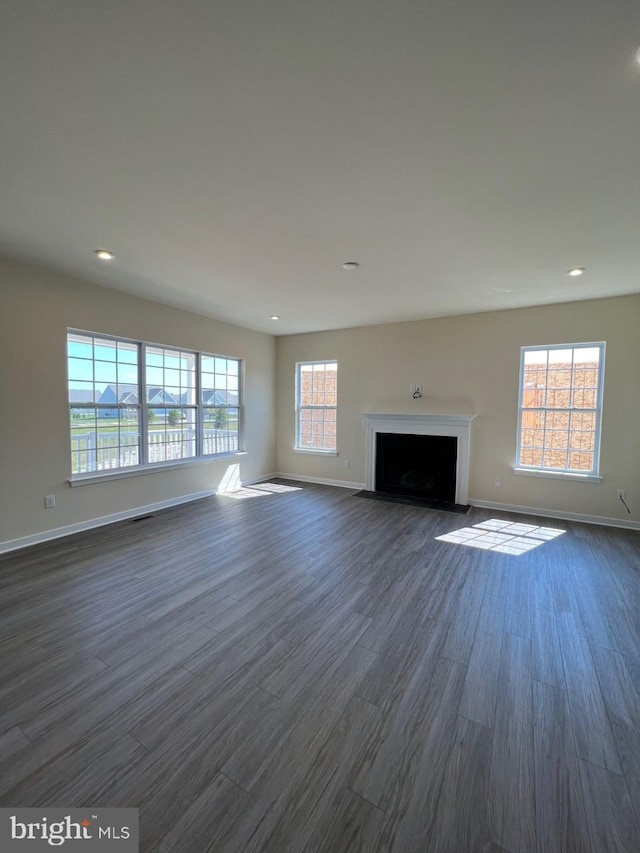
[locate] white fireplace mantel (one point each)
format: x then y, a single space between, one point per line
420 424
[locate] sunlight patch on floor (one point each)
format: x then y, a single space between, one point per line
505 537
243 494
258 490
276 487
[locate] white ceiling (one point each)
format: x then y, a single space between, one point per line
234 154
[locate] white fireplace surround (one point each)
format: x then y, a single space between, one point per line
420 424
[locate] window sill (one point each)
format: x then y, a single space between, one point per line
120 473
558 475
312 451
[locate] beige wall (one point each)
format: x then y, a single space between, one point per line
471 363
36 307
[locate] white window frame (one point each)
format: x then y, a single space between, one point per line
143 464
564 473
322 451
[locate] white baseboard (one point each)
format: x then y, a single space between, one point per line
552 513
343 484
59 532
260 479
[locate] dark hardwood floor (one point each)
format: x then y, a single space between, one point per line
306 671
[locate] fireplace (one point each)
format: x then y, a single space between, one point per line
442 470
417 466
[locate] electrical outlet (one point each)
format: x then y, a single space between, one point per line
347 463
497 481
49 501
621 495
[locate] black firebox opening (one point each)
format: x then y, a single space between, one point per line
418 466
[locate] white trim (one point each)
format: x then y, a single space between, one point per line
315 452
420 424
58 532
557 475
261 479
137 470
322 481
552 513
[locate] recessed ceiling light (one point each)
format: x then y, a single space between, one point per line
105 254
576 271
275 316
350 265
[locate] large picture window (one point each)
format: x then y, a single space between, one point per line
134 404
560 408
316 405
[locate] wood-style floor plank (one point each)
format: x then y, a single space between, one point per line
560 818
460 821
592 729
302 670
611 821
623 707
481 683
511 810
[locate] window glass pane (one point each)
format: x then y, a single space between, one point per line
105 372
104 350
127 353
80 416
560 357
128 375
81 392
554 458
80 368
531 457
220 431
535 357
79 346
172 435
207 392
154 357
155 377
586 355
306 386
171 377
188 377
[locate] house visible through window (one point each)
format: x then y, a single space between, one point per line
316 402
133 404
560 408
